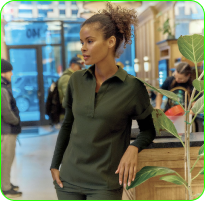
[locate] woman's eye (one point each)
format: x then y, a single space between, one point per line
90 41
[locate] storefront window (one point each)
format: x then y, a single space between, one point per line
33 33
72 41
189 18
25 83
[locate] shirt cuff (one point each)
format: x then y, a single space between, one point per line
145 113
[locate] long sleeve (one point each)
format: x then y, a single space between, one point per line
6 112
63 139
147 133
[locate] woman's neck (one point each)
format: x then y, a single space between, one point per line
105 70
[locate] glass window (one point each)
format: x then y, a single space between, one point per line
72 41
28 33
189 18
52 67
25 83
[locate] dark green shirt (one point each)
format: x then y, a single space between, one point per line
96 129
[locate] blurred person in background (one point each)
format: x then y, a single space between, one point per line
10 128
93 146
76 64
180 82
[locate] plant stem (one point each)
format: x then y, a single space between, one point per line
188 139
196 69
194 90
185 147
195 163
193 118
196 176
197 96
188 162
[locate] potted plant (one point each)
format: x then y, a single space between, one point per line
166 29
192 48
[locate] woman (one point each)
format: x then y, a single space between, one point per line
93 146
179 83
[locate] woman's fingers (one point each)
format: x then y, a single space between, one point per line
135 172
131 171
127 167
121 174
56 176
58 181
126 174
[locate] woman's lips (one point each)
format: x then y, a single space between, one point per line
86 57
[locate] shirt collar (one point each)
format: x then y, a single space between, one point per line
121 74
5 81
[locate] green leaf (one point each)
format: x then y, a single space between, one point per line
157 125
174 179
201 151
148 172
201 171
192 47
169 94
162 122
198 106
198 84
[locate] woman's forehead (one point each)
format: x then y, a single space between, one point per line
91 30
179 75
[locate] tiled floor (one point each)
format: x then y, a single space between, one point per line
30 169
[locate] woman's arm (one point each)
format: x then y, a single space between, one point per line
127 168
159 101
147 133
63 139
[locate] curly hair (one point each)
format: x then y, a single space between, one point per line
115 21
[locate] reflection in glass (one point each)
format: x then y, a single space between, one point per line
25 83
28 33
52 67
72 41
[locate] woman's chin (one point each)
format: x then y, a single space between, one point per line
88 63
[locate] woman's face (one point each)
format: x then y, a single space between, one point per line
94 48
181 78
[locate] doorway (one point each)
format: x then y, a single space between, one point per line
34 70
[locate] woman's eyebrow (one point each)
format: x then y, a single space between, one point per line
87 38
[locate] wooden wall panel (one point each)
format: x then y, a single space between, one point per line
147 35
156 189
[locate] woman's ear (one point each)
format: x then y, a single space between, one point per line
111 42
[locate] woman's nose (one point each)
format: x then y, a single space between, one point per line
83 48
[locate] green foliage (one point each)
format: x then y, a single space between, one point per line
162 122
201 151
198 106
148 172
166 93
166 27
174 179
192 47
201 171
198 84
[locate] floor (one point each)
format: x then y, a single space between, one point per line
31 166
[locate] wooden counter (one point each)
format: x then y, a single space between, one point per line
155 189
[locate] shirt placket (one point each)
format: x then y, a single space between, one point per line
92 100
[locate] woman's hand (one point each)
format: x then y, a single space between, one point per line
56 176
127 168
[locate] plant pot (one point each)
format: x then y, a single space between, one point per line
171 37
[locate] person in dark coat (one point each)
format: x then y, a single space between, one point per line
10 128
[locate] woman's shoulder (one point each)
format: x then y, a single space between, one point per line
135 82
77 75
